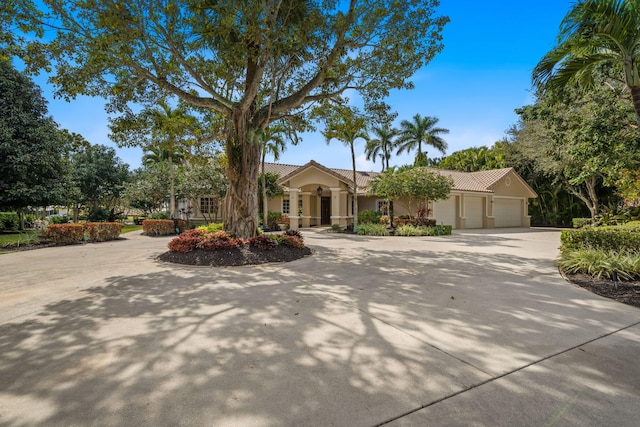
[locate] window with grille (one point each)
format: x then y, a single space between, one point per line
382 206
285 206
207 205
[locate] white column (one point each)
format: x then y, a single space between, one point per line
293 208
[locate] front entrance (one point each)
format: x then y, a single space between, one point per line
325 211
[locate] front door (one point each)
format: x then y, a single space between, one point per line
325 210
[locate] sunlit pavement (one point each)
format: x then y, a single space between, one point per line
476 328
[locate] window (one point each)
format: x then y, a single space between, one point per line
207 205
382 206
285 206
299 206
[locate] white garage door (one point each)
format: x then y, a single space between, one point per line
508 212
473 211
444 211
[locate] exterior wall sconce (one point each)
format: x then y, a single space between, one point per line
319 191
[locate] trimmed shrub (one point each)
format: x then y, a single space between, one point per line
29 221
373 230
158 227
187 241
9 221
64 234
581 222
102 231
58 219
369 216
265 242
611 238
217 240
336 228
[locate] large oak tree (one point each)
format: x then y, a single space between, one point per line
251 62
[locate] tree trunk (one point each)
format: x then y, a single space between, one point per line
355 189
635 97
241 203
172 184
265 202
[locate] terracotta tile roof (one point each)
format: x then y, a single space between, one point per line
482 181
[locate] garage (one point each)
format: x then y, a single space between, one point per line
473 211
444 211
507 212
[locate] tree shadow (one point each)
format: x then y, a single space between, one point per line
351 336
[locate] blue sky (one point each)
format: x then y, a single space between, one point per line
472 86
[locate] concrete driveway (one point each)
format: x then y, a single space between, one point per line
470 329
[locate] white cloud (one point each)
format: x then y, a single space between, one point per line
362 164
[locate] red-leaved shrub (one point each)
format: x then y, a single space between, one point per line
200 239
158 227
102 231
64 234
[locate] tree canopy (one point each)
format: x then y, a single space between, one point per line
32 170
252 62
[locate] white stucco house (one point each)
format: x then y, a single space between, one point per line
316 195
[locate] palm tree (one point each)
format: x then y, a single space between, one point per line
153 155
382 145
595 33
420 131
344 124
170 129
272 142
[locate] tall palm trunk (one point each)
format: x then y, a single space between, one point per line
635 97
172 184
355 189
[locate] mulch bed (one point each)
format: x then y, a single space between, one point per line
245 255
627 292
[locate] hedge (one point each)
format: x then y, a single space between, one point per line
64 234
102 231
610 238
158 227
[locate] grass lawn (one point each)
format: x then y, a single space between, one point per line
17 238
129 228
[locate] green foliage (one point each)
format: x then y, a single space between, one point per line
336 228
271 184
412 187
32 168
600 262
233 72
212 227
159 215
476 159
9 221
369 216
288 240
98 177
16 240
421 130
148 189
293 233
59 219
382 146
411 230
204 178
582 222
611 238
104 215
595 34
373 230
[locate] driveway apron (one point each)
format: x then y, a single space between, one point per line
476 328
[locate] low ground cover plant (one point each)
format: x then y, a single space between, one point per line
602 251
200 238
405 230
370 229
